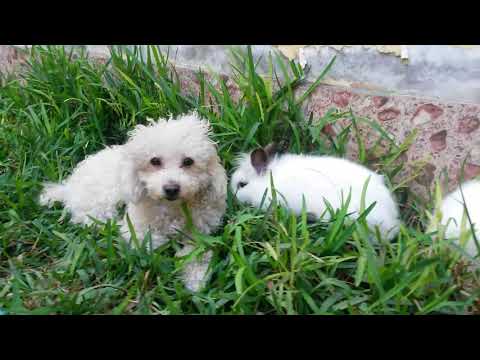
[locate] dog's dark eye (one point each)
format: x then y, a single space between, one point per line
242 184
187 162
156 161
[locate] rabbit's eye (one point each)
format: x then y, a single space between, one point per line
242 184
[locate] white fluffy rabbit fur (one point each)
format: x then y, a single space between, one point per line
453 209
316 178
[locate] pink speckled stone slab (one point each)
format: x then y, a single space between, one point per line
190 84
447 134
11 59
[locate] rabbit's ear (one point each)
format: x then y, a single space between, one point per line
275 148
259 160
271 149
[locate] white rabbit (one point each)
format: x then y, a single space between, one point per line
317 178
452 210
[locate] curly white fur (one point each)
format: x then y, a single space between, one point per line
453 211
317 178
125 174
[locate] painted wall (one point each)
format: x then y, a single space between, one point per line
448 73
443 72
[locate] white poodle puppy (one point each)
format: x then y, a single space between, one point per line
162 166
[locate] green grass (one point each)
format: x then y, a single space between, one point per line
65 107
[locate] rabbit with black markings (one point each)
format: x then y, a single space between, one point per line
316 178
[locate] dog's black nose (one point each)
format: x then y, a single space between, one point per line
171 191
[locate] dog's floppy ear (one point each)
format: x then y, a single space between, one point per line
132 188
218 178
